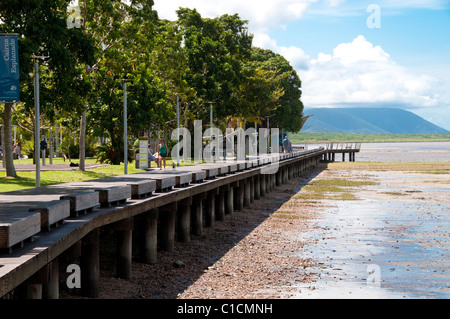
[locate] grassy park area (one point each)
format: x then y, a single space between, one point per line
27 179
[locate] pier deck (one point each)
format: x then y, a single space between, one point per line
194 195
341 148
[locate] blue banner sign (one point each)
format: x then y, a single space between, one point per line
9 69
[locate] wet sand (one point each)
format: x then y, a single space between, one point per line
391 242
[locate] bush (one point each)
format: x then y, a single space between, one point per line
108 154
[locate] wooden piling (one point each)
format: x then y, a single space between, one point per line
197 215
257 187
220 205
262 188
229 208
184 220
210 216
150 249
247 190
50 290
124 231
167 215
90 264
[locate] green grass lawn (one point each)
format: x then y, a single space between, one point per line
28 179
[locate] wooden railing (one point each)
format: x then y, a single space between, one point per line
343 146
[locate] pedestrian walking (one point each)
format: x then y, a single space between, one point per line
285 144
162 153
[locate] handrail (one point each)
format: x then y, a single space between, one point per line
343 146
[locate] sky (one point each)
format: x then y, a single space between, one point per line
376 53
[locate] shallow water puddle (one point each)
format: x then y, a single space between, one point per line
378 248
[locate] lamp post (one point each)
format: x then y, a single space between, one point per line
178 131
268 136
125 126
37 136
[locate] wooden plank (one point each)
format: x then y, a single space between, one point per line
16 227
211 172
164 183
222 170
232 167
52 212
183 179
114 195
142 188
198 176
82 202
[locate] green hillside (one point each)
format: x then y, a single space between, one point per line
367 120
302 138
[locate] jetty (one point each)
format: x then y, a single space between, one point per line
38 226
341 148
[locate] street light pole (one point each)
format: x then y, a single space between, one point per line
125 127
211 134
178 131
37 133
268 136
37 136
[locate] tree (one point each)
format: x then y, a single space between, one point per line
289 114
7 147
121 32
169 63
259 94
216 50
42 30
130 47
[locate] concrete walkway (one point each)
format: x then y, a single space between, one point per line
50 167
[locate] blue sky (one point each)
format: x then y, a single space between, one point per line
410 36
405 63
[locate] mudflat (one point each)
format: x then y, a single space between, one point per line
344 230
356 230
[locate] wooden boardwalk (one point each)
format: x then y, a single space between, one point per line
39 225
341 148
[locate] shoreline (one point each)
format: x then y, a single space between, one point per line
285 246
340 240
397 230
388 152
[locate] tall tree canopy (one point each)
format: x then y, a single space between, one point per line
42 30
215 51
203 61
289 114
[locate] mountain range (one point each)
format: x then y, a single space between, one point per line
367 120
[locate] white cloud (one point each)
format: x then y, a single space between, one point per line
334 3
296 56
357 73
360 73
262 14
